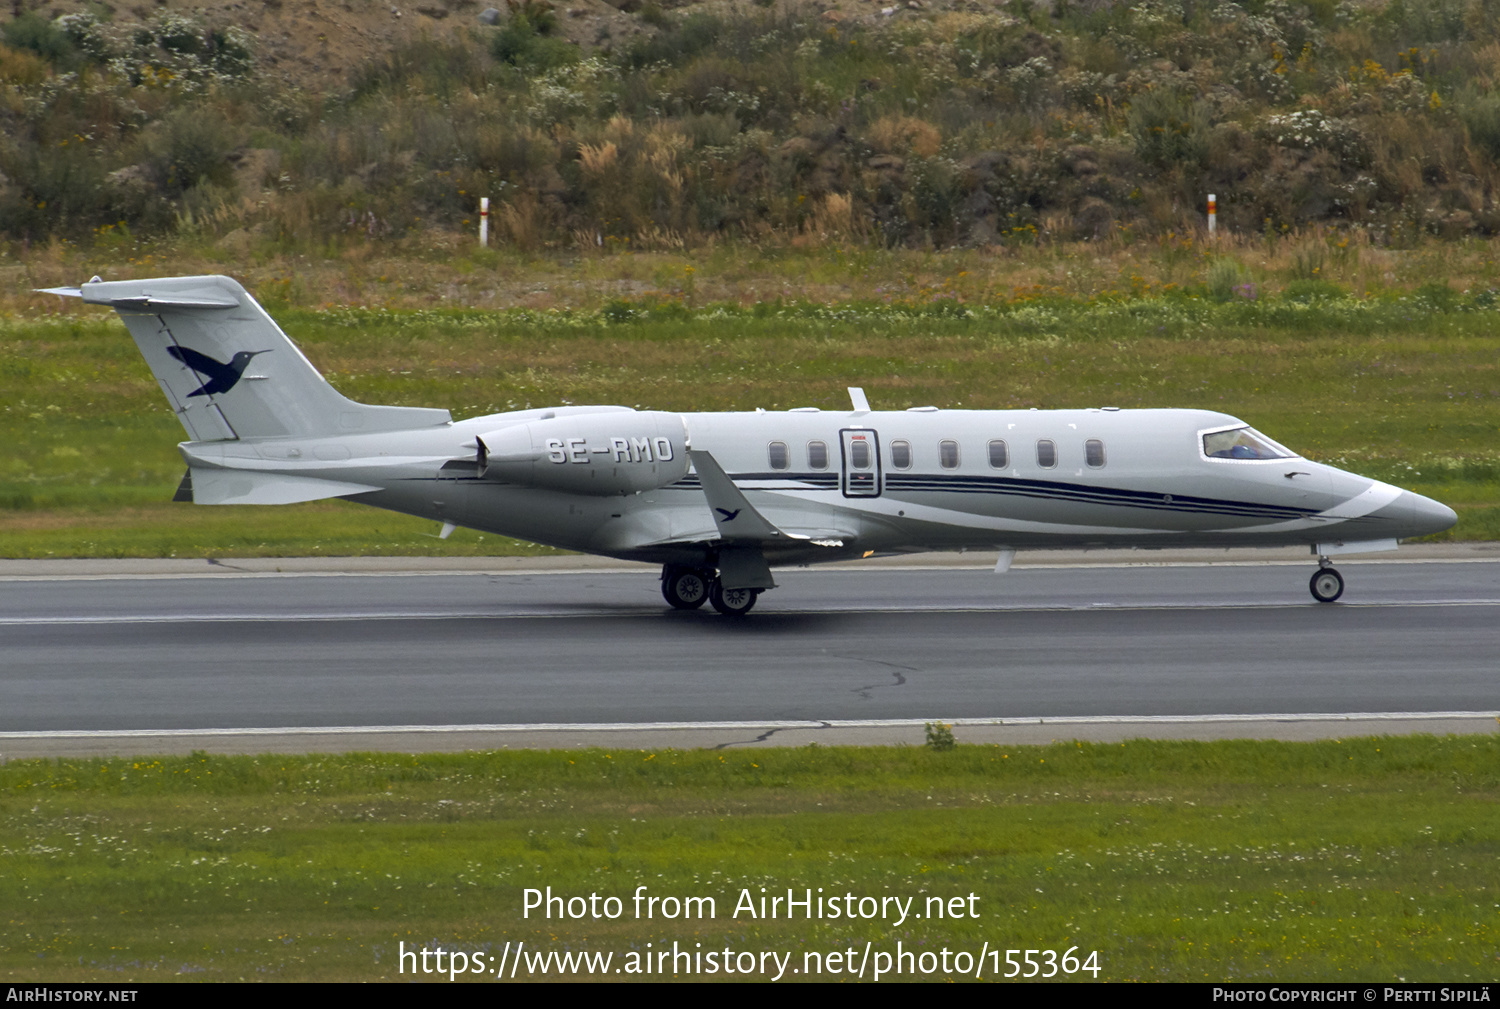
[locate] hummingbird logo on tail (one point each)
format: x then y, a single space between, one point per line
221 377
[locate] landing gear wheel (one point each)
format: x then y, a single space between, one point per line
1326 585
732 602
684 588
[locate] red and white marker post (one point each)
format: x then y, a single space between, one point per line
1213 213
484 221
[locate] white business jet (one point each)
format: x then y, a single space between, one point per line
718 499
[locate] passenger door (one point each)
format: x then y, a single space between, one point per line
861 462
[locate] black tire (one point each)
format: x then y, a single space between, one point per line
732 602
1326 585
684 588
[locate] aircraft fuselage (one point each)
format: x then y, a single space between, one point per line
925 480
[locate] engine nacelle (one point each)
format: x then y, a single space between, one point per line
623 452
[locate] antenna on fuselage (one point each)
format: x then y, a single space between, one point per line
857 397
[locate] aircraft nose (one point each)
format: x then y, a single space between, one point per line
1419 516
1431 516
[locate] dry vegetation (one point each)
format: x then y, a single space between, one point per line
926 126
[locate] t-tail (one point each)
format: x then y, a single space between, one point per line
229 371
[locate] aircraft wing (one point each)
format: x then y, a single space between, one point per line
736 517
737 520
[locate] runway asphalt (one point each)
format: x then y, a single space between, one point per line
135 661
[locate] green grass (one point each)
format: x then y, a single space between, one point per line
1391 387
1358 859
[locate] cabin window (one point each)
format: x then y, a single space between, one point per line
1243 443
817 455
1093 453
948 454
1046 453
859 454
901 454
779 456
999 455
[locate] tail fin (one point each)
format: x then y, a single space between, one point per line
228 369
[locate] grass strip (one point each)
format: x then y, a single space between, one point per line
1360 859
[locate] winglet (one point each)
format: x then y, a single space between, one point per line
857 397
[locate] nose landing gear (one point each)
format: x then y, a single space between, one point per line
1326 584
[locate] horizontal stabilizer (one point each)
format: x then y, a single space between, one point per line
146 302
237 486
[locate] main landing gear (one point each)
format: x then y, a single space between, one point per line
732 602
1327 584
690 588
685 588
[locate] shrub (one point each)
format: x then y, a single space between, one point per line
35 33
190 147
22 67
1311 129
1168 130
678 43
1480 113
1307 261
86 35
57 190
526 40
1226 279
229 51
901 134
939 736
1439 295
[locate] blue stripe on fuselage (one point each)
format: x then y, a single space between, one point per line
907 484
1054 490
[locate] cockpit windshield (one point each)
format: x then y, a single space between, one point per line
1243 443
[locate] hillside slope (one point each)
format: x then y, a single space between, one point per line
926 123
